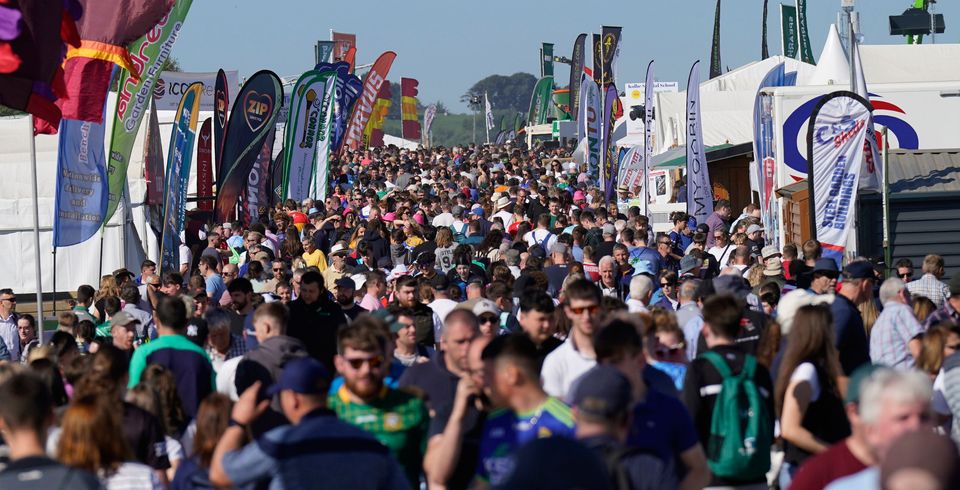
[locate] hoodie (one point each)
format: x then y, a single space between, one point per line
264 364
379 245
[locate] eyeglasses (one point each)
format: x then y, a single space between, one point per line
667 284
580 309
375 362
906 276
12 300
277 270
488 319
952 347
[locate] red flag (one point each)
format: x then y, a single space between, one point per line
364 106
342 42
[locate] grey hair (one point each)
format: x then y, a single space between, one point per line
689 289
887 385
605 259
217 318
640 287
890 289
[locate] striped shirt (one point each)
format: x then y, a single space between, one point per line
891 334
931 287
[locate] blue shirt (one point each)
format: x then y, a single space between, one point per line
505 431
215 288
662 425
302 456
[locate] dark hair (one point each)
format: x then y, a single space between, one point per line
619 338
406 281
160 379
85 330
130 293
240 285
212 420
85 293
172 278
723 313
584 290
48 371
311 277
516 348
533 299
27 403
172 313
63 343
209 260
904 263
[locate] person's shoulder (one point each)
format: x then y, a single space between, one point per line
403 399
559 411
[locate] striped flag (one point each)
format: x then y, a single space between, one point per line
408 109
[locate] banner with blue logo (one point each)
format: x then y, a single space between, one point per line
835 146
81 199
178 172
699 190
764 150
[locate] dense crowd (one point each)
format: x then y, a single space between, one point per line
479 317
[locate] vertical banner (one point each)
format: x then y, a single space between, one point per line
716 67
323 51
300 132
835 141
488 112
576 70
342 42
371 87
607 51
345 96
153 162
205 167
631 168
256 195
764 150
147 53
764 50
410 124
540 101
221 100
373 133
699 191
276 178
546 60
81 197
588 124
178 173
648 117
806 53
597 51
324 138
871 177
252 116
428 115
608 160
788 31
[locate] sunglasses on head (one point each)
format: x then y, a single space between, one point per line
375 362
580 309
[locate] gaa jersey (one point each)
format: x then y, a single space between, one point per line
505 431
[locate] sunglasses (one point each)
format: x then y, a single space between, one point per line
665 350
375 362
667 284
488 319
953 347
580 309
12 300
905 276
277 270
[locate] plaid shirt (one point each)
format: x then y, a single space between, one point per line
237 348
931 287
892 332
946 314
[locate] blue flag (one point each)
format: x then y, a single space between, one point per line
81 200
178 172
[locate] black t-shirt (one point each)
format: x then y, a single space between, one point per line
603 249
546 348
473 421
354 311
432 378
753 326
43 473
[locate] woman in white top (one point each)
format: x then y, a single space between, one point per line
90 440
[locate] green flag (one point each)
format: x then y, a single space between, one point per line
133 95
546 60
540 101
806 54
788 31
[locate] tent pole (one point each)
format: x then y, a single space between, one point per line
36 224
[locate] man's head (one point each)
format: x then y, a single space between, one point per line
933 264
905 270
582 305
406 291
345 287
148 268
279 269
302 387
894 290
721 319
510 368
536 315
207 265
123 330
723 208
311 287
241 293
891 403
811 251
641 288
825 275
608 271
602 400
460 327
858 281
27 408
171 283
85 294
230 272
361 358
404 327
376 283
270 320
618 343
171 315
218 329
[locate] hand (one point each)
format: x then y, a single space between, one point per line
466 388
247 409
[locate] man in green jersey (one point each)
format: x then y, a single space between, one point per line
397 419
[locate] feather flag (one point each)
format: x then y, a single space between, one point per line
410 126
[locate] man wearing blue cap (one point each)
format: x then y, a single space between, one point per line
290 456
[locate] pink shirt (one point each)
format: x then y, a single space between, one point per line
370 302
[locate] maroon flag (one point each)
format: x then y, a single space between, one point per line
153 162
205 168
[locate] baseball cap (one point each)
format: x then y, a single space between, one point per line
477 211
304 375
485 306
826 265
856 379
769 251
753 228
860 269
345 282
602 392
609 229
688 263
392 324
123 318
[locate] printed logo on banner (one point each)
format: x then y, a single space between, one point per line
160 88
256 108
221 108
313 113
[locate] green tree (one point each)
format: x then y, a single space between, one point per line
505 92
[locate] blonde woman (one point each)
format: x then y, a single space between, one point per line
108 288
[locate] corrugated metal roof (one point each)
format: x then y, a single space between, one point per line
914 171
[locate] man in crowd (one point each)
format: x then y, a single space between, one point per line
895 336
536 320
214 282
315 319
850 334
338 269
376 286
824 276
241 299
406 293
437 380
929 284
950 311
344 289
576 355
717 220
8 323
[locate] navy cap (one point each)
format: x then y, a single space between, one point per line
860 269
826 265
345 282
602 392
304 375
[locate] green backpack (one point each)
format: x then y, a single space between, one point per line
740 432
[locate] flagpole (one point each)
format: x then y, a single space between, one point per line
886 201
36 224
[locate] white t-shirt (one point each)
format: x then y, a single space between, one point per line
441 307
132 475
562 366
226 378
186 257
535 237
722 254
808 372
505 216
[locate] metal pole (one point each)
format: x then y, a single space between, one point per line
852 48
884 157
36 225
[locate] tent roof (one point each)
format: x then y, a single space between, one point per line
677 157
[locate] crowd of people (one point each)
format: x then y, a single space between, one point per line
480 317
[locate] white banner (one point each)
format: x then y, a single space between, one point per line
870 174
648 89
589 124
324 139
699 192
835 143
308 118
170 85
631 170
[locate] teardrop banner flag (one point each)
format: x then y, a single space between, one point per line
576 71
221 100
178 173
371 87
205 168
276 178
310 105
540 101
699 192
256 195
648 116
588 121
253 114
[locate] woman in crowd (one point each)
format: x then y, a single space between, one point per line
27 333
213 417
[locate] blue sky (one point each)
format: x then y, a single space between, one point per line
448 45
